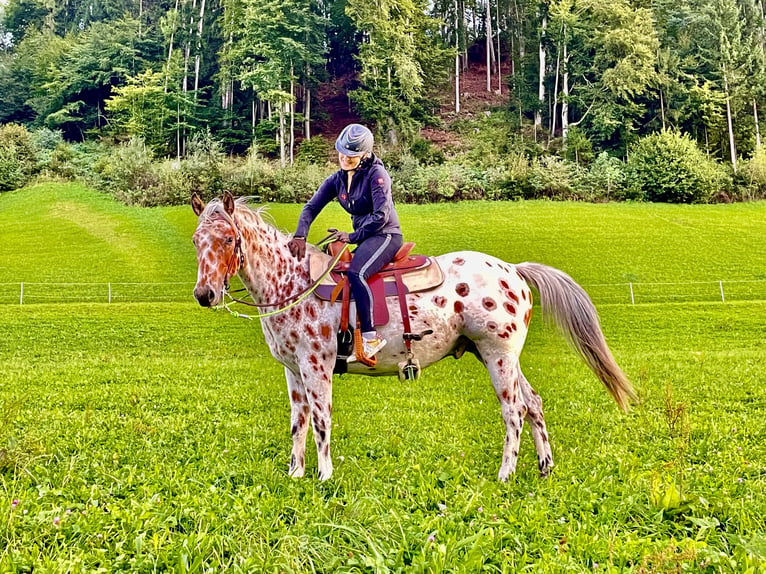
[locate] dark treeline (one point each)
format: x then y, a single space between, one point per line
585 76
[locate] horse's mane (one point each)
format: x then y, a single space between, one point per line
258 215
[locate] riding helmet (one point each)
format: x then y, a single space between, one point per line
354 140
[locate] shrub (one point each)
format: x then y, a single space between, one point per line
265 180
447 182
606 179
426 153
45 142
511 179
11 170
18 159
669 167
201 170
555 178
317 150
751 178
127 172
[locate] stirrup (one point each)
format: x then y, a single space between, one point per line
359 351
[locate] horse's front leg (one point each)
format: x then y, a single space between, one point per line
299 422
317 378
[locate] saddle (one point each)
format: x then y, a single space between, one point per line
406 273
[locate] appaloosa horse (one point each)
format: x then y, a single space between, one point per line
483 306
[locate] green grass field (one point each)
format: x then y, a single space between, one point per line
143 437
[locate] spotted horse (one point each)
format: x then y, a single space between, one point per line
483 306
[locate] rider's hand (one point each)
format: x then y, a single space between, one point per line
343 236
297 247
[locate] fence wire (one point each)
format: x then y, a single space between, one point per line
609 293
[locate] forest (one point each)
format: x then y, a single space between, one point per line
588 83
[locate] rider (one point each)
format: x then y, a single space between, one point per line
363 188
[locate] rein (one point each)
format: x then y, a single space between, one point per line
298 296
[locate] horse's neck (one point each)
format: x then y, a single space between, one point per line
270 273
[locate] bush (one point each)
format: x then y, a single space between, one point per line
751 179
127 172
606 179
201 170
265 180
511 179
448 182
18 159
45 142
426 153
317 150
669 167
554 178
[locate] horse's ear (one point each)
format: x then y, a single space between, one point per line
228 202
197 204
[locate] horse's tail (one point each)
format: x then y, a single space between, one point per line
576 317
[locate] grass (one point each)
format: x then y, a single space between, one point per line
143 437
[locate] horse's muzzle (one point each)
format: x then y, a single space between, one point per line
205 296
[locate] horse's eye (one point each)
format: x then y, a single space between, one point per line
229 240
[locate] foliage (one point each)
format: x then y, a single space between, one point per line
17 156
426 153
317 150
607 179
670 167
553 178
752 177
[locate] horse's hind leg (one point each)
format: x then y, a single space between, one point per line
536 422
504 372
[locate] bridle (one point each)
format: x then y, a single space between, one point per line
292 299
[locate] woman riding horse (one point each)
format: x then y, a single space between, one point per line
363 188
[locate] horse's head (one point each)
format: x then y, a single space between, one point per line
219 248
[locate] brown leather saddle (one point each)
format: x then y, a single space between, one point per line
405 274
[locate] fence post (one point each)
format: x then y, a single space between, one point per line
110 292
632 299
720 284
21 297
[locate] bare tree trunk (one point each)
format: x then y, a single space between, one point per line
732 149
170 49
565 101
187 49
757 126
541 77
198 56
499 71
457 58
488 31
554 115
281 135
662 110
307 112
292 115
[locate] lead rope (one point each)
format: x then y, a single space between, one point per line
225 305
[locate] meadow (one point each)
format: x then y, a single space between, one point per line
144 436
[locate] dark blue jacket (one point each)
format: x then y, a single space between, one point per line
368 201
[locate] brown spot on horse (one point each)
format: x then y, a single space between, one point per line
462 289
510 309
439 301
489 303
459 307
